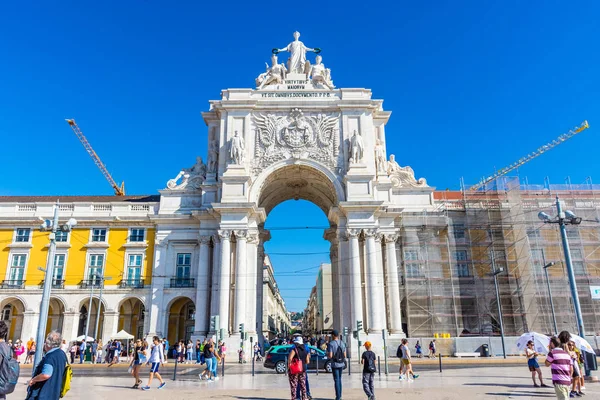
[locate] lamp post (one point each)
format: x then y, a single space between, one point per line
103 278
563 219
495 273
546 266
48 278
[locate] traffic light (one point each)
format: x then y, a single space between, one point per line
214 323
242 329
345 331
359 326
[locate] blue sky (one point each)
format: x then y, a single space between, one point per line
472 85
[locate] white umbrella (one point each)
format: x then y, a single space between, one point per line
87 338
581 343
540 342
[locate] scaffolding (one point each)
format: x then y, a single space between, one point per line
448 256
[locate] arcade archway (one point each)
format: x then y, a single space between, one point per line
132 316
12 314
180 319
56 314
96 318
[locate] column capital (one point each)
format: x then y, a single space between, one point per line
371 232
391 237
253 238
216 238
224 234
352 233
204 240
240 234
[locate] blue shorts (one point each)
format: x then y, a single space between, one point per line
532 364
154 367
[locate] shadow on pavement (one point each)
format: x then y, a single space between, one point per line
546 396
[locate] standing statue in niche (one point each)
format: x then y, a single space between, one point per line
380 157
274 75
321 75
356 148
297 61
192 177
236 149
213 156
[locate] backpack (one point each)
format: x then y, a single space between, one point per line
9 371
66 380
338 356
371 367
399 352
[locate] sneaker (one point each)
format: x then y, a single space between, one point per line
415 376
162 385
216 378
146 388
211 380
401 377
536 385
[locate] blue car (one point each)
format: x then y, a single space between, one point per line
276 359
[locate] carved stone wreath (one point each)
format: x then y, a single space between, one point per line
295 136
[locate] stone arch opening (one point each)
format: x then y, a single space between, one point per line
56 313
96 318
131 316
13 310
181 314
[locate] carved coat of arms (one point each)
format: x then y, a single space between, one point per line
295 136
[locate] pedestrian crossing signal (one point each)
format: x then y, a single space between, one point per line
214 323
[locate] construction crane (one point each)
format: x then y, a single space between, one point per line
119 190
541 150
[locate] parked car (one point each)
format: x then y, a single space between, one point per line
273 342
276 358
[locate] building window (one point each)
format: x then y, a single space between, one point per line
99 235
96 265
459 231
460 255
579 267
6 313
537 258
134 267
572 232
576 254
495 235
413 267
17 267
534 233
461 265
136 235
62 236
184 263
22 235
59 267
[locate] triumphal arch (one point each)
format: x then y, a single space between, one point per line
294 135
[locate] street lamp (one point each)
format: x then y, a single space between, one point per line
495 273
563 219
546 266
53 227
104 278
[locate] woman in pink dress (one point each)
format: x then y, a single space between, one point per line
19 350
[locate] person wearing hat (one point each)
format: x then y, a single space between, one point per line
298 353
296 335
368 361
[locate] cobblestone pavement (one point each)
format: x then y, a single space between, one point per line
464 383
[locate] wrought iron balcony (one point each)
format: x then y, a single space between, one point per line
132 283
89 283
56 284
13 284
182 283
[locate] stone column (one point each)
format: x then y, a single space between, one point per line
355 279
251 284
241 279
336 315
111 322
225 280
374 282
155 306
215 279
30 323
393 285
260 304
70 325
202 288
343 273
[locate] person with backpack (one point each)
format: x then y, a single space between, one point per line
9 366
336 351
432 349
297 365
49 375
368 361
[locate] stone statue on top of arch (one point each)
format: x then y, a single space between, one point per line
297 63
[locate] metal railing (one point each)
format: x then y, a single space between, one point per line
182 283
13 284
88 283
132 283
56 284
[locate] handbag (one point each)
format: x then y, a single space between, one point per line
296 367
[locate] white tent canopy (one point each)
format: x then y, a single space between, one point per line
121 335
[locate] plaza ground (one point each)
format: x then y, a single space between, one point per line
457 382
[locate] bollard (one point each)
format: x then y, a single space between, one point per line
175 370
440 357
253 365
317 355
349 363
286 364
222 366
379 365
